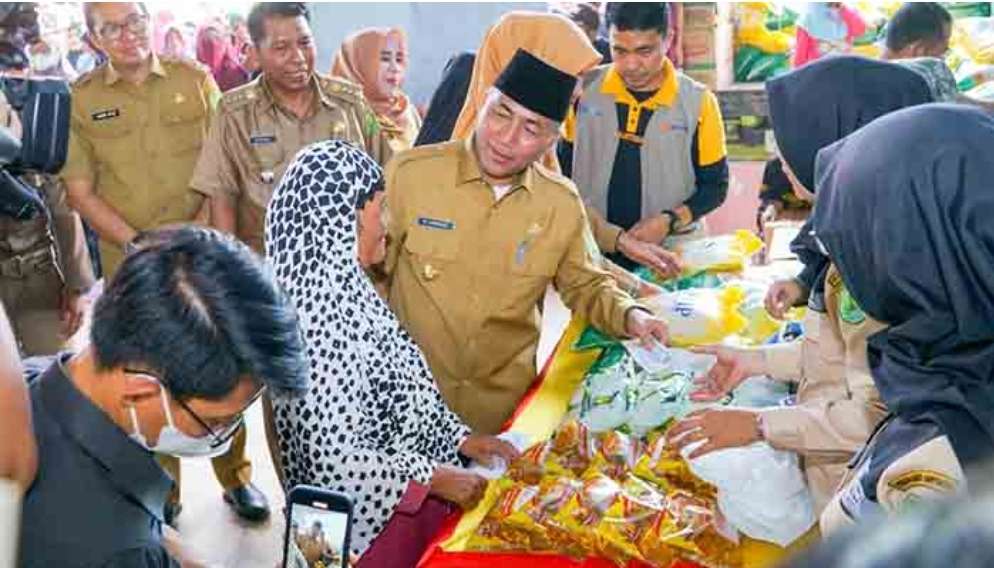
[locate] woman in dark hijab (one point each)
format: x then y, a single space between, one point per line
904 209
811 108
447 102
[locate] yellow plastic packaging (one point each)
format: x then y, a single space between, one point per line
582 514
571 450
751 29
507 525
760 325
686 530
627 522
617 454
724 253
664 467
700 316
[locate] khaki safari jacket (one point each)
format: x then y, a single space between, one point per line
138 144
253 140
466 273
838 405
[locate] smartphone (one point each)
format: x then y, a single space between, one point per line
318 526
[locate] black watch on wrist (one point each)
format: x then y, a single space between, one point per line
674 219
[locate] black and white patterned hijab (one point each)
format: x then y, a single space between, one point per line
373 420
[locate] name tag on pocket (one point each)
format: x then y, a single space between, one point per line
106 114
670 127
259 139
436 224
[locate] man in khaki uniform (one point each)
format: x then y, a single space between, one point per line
44 267
478 231
260 126
138 123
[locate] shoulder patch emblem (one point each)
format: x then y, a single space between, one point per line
849 310
923 479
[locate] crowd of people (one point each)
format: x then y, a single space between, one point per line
372 274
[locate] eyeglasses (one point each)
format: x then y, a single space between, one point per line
218 437
136 24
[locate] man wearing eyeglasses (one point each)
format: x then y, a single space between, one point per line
170 376
138 123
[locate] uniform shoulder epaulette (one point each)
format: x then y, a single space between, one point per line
185 63
240 96
430 151
556 178
87 77
338 87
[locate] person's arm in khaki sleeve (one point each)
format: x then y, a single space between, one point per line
70 239
589 291
215 177
606 234
211 95
80 178
829 427
396 222
73 256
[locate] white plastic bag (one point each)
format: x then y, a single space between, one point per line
761 491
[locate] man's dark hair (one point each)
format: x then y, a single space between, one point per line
262 11
917 21
201 310
638 16
585 16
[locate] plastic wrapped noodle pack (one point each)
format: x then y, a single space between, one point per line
597 516
606 510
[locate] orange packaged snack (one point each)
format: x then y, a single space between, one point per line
617 454
529 468
666 468
582 514
572 449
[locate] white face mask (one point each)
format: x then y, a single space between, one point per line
174 442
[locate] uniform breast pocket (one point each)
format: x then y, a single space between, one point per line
432 253
268 152
532 268
183 127
113 136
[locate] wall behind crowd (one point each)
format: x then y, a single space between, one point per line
435 32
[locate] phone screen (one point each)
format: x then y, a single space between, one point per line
316 538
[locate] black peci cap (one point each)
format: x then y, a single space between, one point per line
537 86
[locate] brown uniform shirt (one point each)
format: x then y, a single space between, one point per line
466 273
838 405
253 140
138 143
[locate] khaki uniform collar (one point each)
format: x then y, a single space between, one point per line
468 168
111 75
